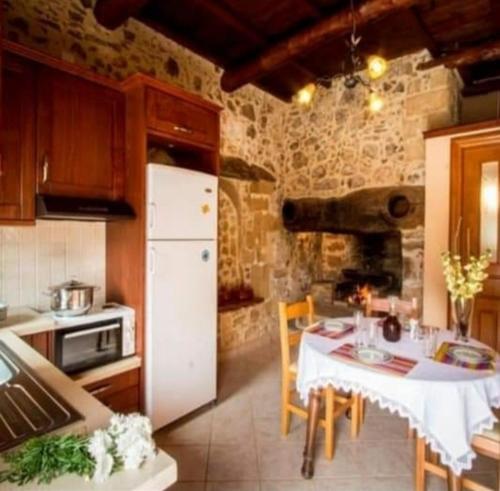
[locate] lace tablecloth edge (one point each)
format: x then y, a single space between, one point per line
462 464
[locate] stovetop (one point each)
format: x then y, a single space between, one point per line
27 406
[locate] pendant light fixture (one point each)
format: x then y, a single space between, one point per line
375 65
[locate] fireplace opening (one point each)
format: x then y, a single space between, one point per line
377 267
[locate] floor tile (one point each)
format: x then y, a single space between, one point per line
188 486
191 461
401 483
280 461
233 486
194 430
232 463
287 485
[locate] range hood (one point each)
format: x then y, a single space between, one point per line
81 209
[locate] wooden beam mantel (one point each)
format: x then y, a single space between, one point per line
484 52
113 13
298 44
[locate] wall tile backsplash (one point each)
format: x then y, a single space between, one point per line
34 258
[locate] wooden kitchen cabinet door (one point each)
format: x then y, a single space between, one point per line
80 137
43 342
17 164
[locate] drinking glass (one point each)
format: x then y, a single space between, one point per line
358 328
430 341
373 335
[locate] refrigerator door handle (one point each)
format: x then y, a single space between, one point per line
152 260
152 215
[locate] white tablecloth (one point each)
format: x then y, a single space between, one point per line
445 404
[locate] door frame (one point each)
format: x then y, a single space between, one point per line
458 146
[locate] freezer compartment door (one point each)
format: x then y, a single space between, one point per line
181 328
182 204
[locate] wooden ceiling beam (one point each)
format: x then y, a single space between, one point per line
466 57
113 13
307 39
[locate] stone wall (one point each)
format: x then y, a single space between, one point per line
251 129
337 146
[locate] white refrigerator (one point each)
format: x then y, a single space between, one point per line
181 292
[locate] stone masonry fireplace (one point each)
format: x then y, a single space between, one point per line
376 264
368 240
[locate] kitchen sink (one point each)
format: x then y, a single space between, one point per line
27 406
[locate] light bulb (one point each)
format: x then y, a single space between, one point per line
377 66
376 102
305 95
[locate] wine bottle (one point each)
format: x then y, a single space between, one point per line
391 325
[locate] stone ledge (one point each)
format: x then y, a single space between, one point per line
239 304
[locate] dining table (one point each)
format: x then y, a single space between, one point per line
444 403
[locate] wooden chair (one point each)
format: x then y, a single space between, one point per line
487 443
335 403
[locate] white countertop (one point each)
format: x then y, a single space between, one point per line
157 474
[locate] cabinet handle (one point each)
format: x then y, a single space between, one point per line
183 129
45 172
1 165
99 390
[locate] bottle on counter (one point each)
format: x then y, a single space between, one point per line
391 325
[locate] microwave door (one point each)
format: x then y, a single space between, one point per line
89 347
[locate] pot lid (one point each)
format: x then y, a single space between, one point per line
70 285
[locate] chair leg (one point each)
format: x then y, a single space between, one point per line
329 423
454 482
285 400
356 411
362 409
420 466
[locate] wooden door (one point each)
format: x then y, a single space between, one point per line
17 165
80 135
475 192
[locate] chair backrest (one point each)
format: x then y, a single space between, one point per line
289 312
379 304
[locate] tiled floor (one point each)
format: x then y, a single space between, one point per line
236 444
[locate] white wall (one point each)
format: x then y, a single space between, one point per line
33 258
437 225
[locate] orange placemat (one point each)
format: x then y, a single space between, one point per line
398 365
445 355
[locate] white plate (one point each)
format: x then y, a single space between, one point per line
466 354
372 356
334 325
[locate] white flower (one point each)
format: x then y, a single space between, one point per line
103 467
132 435
99 447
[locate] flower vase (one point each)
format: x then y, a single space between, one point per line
462 318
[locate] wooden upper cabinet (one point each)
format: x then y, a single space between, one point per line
80 137
17 165
181 119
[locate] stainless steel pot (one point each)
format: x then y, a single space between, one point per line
71 298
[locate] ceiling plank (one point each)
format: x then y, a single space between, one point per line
224 13
465 57
331 27
113 13
478 87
